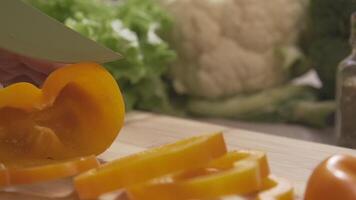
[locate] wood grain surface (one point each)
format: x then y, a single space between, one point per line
289 158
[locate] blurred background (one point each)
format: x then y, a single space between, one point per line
268 66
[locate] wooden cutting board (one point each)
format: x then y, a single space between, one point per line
289 158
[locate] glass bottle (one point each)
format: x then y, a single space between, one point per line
346 95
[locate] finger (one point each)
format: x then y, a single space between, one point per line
39 65
21 73
19 79
7 60
4 75
35 77
24 78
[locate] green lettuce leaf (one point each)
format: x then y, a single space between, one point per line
133 28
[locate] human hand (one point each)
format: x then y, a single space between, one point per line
17 68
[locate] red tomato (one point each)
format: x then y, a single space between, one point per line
333 179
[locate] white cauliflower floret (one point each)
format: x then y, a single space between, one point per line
227 47
220 75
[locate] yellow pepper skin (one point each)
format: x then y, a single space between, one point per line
78 112
246 175
183 155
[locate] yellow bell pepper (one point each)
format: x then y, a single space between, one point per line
78 112
29 175
183 155
237 173
229 160
4 176
276 189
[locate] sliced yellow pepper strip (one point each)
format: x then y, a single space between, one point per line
78 112
52 171
228 160
186 154
274 188
277 189
4 176
244 177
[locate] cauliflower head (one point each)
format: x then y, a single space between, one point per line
227 47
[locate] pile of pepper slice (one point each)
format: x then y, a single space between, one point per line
55 132
195 168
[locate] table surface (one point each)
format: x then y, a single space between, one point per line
289 158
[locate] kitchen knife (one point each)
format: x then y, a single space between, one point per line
27 31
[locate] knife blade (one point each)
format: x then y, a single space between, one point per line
27 31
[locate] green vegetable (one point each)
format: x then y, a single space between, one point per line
288 103
318 114
132 27
325 41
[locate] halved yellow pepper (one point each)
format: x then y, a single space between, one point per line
78 112
183 155
237 173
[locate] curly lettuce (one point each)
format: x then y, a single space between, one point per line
135 29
